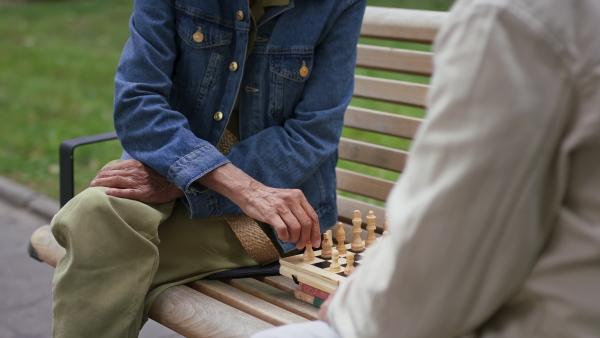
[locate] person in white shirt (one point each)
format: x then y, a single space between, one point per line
495 225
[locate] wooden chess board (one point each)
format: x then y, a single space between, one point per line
317 273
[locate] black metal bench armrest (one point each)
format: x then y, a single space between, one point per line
67 184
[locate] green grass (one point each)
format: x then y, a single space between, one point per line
57 64
56 82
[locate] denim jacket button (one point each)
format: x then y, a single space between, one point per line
303 70
233 66
198 36
240 15
218 116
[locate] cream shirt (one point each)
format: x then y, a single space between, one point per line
495 225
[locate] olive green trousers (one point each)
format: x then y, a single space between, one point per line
121 254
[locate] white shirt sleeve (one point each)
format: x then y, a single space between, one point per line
471 213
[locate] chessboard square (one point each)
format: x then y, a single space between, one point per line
323 264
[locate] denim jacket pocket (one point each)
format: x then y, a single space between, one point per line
200 43
200 33
290 68
294 66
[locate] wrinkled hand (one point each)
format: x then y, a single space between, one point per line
134 180
287 210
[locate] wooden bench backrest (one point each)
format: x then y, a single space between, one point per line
386 55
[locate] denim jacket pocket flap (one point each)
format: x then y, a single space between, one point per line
296 67
200 33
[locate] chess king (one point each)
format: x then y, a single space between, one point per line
230 114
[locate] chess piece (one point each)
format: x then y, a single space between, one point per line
341 239
385 227
327 245
349 263
309 254
371 229
357 243
335 261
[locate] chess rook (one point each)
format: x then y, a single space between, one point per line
341 239
357 243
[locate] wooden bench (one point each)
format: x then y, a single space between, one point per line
372 152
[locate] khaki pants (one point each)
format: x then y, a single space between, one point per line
121 254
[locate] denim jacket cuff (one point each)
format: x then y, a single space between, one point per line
194 165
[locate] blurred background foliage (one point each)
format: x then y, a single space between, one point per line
57 63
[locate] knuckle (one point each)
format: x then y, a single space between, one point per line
305 221
280 205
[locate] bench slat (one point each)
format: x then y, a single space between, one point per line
372 154
381 122
46 247
400 92
395 60
282 283
274 296
362 184
194 314
401 24
346 207
247 303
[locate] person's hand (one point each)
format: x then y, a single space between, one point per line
134 180
287 210
322 314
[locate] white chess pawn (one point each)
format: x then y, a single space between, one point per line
309 254
335 261
327 244
349 263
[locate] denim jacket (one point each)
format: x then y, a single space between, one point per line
180 73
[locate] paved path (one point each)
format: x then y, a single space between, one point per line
26 284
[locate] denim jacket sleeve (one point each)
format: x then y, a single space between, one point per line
285 156
149 129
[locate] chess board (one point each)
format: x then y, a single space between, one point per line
317 272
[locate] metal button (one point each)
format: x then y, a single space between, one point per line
198 36
303 70
233 66
240 15
218 116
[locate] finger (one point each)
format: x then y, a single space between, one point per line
322 314
315 229
132 194
315 235
114 166
121 168
294 228
114 182
305 225
279 225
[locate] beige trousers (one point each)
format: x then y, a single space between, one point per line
121 254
